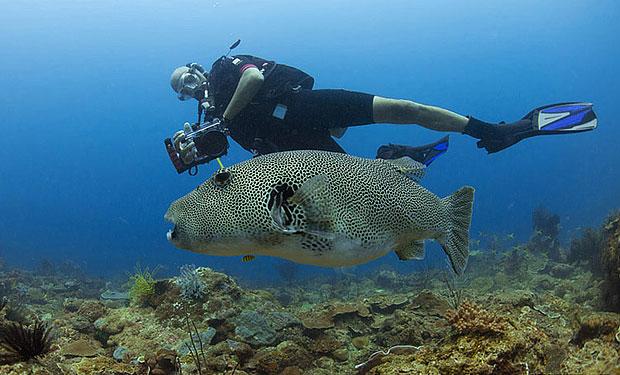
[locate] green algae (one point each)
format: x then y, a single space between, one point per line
141 285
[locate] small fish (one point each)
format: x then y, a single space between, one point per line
510 236
248 258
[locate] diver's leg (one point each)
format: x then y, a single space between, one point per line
561 118
400 111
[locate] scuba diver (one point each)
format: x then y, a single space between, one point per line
268 107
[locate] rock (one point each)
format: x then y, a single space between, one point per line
341 355
114 299
324 318
601 325
281 319
430 303
242 350
81 348
324 344
360 342
164 362
278 359
324 362
516 298
82 325
111 295
71 305
205 338
110 325
120 353
561 270
386 304
291 370
254 329
92 310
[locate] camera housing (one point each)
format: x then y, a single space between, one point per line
210 138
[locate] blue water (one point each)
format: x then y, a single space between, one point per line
85 104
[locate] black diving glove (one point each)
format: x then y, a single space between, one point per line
496 137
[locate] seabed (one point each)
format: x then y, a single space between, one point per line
532 308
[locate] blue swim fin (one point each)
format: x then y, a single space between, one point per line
561 118
425 154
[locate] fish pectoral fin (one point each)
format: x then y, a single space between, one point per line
278 216
407 166
412 250
315 199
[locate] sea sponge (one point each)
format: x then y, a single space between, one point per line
472 319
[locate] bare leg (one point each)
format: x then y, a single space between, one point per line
400 111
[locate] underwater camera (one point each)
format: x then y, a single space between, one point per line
210 138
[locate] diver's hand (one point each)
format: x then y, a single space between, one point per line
187 151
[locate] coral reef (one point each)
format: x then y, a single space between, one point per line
517 311
587 249
471 319
545 239
190 283
22 343
610 259
142 285
164 362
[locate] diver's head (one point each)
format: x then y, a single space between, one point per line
189 81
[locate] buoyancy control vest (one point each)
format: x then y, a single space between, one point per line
280 79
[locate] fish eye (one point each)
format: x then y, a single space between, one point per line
221 178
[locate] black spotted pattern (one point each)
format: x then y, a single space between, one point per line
373 204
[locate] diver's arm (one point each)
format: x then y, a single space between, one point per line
250 82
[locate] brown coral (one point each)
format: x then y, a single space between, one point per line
164 362
601 325
325 318
286 354
470 318
81 348
91 310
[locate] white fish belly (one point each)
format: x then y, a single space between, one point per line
342 252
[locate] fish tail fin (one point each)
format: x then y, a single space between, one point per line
455 241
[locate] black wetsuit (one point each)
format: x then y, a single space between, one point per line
286 113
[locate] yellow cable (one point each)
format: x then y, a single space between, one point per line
220 163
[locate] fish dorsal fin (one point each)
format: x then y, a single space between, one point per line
412 250
407 166
315 199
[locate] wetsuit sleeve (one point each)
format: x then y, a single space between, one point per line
224 78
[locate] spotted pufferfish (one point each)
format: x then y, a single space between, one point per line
321 208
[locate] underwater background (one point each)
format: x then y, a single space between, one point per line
86 104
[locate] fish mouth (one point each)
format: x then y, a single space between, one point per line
171 235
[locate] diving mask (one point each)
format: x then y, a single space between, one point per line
187 81
188 85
